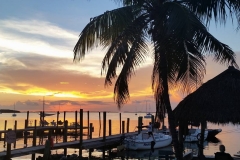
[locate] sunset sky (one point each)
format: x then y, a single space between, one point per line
36 59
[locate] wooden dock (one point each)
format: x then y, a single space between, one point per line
44 128
35 132
86 144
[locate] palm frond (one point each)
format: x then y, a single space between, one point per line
117 52
135 57
131 2
217 9
222 53
102 30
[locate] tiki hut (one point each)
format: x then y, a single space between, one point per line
216 101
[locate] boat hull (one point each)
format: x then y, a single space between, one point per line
143 144
194 137
213 132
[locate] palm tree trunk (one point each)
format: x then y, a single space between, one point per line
171 119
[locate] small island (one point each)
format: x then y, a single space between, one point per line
8 111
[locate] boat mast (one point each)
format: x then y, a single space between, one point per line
43 110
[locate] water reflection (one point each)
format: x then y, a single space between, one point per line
194 146
166 153
214 140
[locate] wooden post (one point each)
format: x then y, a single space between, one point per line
123 127
34 138
43 118
88 122
103 153
27 119
40 119
47 150
120 120
64 116
128 123
90 152
99 115
110 127
104 125
91 130
140 124
152 119
25 134
57 118
5 128
81 133
8 149
15 129
65 136
76 123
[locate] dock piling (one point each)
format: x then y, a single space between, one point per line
27 118
104 125
64 116
110 127
15 129
81 133
140 124
8 156
25 134
65 136
57 118
5 128
76 124
91 130
128 123
34 138
88 122
123 127
120 120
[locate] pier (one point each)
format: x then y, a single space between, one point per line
86 144
65 130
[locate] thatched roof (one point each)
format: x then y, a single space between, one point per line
217 100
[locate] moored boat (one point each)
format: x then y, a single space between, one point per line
148 115
237 154
213 132
194 135
143 141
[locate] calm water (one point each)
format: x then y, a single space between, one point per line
229 135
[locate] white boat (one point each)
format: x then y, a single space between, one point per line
148 115
14 115
194 135
142 141
237 155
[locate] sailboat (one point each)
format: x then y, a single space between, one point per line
148 114
14 114
43 114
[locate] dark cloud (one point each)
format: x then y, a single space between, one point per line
98 102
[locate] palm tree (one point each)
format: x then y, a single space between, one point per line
180 43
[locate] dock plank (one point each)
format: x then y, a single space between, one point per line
87 143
